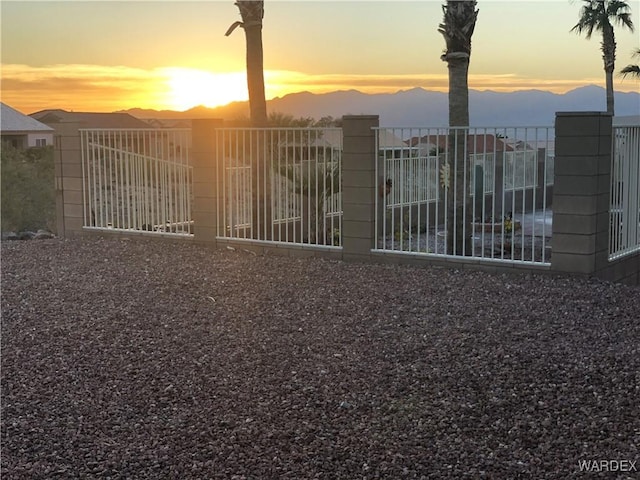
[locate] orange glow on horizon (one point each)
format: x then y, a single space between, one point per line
106 89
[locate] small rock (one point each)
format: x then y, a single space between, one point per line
26 235
43 235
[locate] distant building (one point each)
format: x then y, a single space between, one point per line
22 131
476 144
626 121
168 123
90 119
117 130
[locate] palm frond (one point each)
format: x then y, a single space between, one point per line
620 12
633 70
596 15
457 26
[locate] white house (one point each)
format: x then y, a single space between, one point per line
22 131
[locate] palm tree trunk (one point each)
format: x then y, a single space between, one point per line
609 58
609 89
459 234
255 75
458 90
252 12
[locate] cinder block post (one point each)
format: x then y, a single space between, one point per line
358 186
207 180
70 211
581 192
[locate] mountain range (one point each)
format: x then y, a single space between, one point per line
420 107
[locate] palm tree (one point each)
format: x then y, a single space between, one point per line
252 12
457 29
601 16
633 70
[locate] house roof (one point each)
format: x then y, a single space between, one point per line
626 121
476 143
389 141
169 123
332 138
90 119
12 121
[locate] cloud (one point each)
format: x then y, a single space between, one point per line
79 87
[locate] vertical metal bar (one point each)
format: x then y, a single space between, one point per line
380 230
103 180
165 186
84 143
97 197
634 180
525 186
126 165
517 184
243 201
221 184
170 181
240 199
264 161
543 193
118 220
108 183
454 188
443 166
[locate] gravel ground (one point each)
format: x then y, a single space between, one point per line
135 359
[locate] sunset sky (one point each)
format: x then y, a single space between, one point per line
108 55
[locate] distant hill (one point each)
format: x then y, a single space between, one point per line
419 107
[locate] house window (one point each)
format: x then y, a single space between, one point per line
41 142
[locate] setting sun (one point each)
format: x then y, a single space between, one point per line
189 88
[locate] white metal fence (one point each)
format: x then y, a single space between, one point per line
280 184
137 180
624 236
505 211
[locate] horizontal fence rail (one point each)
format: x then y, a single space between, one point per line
472 192
280 185
137 180
624 235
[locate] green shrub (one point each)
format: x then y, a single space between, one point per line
28 192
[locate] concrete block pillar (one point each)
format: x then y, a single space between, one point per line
581 192
208 172
70 209
358 186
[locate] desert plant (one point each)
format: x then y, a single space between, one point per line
28 195
316 184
